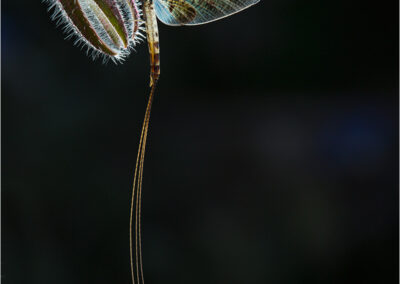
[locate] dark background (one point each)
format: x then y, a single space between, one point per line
272 155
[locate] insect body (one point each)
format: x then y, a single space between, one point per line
111 29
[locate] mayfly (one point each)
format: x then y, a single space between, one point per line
110 29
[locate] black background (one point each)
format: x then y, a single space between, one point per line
272 155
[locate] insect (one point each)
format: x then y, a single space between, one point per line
111 29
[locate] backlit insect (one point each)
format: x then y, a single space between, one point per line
111 28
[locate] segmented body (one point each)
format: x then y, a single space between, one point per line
152 40
111 29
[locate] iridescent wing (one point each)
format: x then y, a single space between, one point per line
196 12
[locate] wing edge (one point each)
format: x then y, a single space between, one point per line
214 20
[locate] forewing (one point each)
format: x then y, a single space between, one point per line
196 12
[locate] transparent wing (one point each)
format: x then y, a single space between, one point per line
196 12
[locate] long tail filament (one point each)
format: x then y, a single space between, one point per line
137 196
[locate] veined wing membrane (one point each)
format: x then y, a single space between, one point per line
196 12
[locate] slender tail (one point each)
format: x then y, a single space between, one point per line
137 196
154 51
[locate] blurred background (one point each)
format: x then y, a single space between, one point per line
272 155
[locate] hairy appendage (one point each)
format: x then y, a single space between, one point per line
106 28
